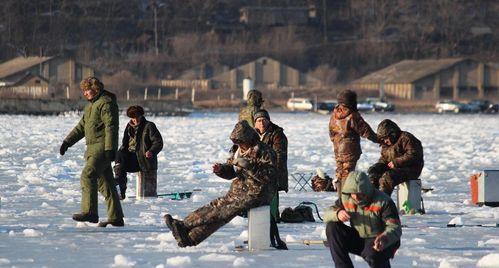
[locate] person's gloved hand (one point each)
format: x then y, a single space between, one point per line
242 163
64 148
110 155
380 242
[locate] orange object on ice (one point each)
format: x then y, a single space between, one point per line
474 187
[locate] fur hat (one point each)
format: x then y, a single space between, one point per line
348 98
135 111
261 113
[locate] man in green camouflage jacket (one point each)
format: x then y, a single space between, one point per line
375 230
255 101
252 170
99 126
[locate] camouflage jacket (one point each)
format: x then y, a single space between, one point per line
247 113
372 217
258 180
99 125
345 129
407 152
275 138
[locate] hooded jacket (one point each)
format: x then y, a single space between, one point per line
376 215
405 152
345 129
258 178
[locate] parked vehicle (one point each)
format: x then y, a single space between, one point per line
364 106
300 104
471 108
326 107
450 106
485 106
381 105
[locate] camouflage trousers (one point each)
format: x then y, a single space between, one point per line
207 219
342 170
391 178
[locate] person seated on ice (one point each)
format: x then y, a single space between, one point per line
252 170
273 135
346 126
401 157
375 230
141 144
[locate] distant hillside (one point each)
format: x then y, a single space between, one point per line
341 40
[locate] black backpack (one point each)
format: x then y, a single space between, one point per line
301 213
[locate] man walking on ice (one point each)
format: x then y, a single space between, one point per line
99 126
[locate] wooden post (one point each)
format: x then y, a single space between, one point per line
292 94
193 95
67 92
145 93
159 93
176 93
455 83
480 80
128 95
231 96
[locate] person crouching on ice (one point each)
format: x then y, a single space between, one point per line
375 230
252 170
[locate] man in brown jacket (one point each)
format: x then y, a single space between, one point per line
401 157
252 171
346 126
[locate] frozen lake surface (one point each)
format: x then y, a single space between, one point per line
40 190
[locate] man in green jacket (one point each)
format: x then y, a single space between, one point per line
375 230
99 126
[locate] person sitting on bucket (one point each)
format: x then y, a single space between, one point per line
401 157
141 144
252 170
375 230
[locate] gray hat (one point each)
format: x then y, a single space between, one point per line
261 113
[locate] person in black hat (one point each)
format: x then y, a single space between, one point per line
273 135
346 126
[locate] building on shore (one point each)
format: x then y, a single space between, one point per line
42 77
450 78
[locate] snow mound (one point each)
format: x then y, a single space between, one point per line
242 262
290 239
123 261
217 257
446 264
243 235
166 237
178 261
32 233
458 221
489 261
4 261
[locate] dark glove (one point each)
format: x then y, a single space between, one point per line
110 155
242 163
64 148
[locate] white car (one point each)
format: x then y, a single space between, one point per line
300 104
450 106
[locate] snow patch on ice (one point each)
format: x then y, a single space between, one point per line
243 235
239 221
32 233
290 239
217 257
4 261
242 262
446 264
489 261
458 221
123 261
166 237
178 261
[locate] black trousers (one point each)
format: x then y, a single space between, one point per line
128 163
343 239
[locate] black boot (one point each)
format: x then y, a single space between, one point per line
86 217
122 190
179 231
116 223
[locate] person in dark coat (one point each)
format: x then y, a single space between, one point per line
401 157
99 126
273 135
141 144
346 126
251 167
